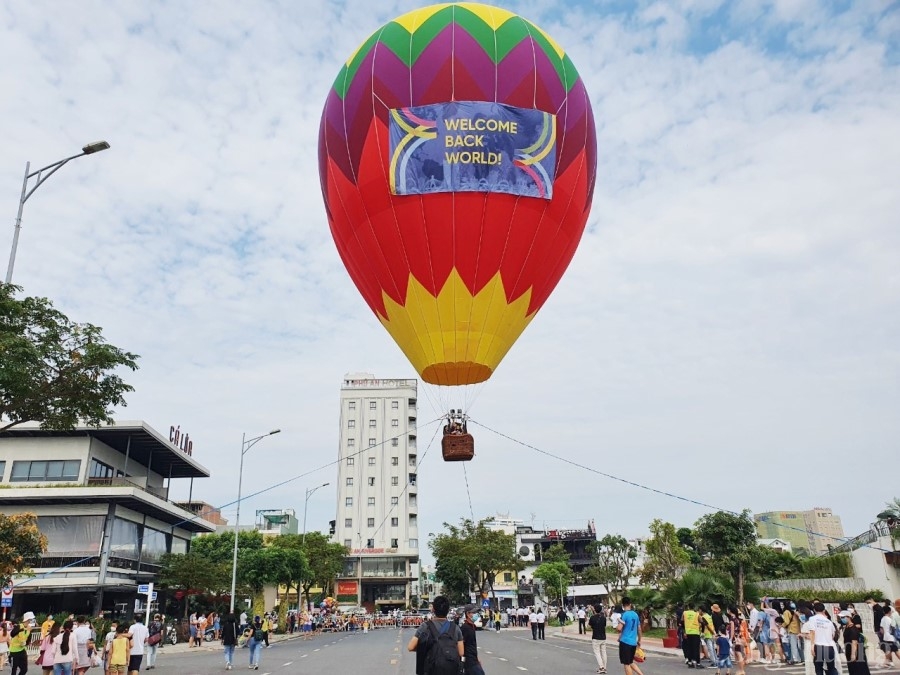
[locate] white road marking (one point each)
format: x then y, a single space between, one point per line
285 665
500 658
521 667
315 650
304 656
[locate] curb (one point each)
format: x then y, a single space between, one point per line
656 651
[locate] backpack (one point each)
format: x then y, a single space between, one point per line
443 656
259 634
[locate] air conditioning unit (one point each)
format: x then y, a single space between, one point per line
526 553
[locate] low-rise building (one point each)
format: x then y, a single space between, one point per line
101 497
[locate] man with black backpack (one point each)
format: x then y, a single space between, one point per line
438 643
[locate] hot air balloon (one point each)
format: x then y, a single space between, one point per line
457 158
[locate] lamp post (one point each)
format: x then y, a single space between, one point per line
88 149
309 492
245 446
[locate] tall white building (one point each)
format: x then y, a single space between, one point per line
377 508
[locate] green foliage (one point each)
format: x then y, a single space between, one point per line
192 572
615 563
701 587
647 598
475 550
809 593
837 566
54 370
556 576
555 553
666 557
688 543
220 547
767 563
324 558
20 541
725 541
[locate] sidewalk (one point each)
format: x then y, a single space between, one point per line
216 645
649 645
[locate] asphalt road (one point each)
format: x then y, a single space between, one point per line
383 652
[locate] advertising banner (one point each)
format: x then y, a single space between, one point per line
472 146
346 588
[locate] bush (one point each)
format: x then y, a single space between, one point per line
837 566
823 595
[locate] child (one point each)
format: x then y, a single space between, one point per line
723 648
120 651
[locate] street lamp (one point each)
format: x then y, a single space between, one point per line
309 492
88 149
245 446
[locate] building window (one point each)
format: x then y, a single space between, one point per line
351 442
371 461
412 500
370 522
347 543
351 424
507 577
412 479
373 424
349 481
395 501
395 480
52 470
373 405
347 502
395 522
395 461
414 543
351 461
371 501
393 543
348 522
395 423
100 470
413 521
395 405
394 442
372 442
371 482
351 405
370 543
2 469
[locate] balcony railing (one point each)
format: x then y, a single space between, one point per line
161 493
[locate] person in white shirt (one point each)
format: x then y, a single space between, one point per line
888 641
582 620
138 634
752 617
532 621
615 618
821 635
84 643
541 620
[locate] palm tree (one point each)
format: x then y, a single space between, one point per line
701 587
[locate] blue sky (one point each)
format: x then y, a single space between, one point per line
727 331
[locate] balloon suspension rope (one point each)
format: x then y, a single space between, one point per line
466 475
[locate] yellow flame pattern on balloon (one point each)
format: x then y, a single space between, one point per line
466 348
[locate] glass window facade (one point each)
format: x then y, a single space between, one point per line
46 470
100 470
125 540
72 535
384 567
155 545
179 545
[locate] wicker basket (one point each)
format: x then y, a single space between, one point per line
458 447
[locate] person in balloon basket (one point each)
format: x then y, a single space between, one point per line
438 643
629 637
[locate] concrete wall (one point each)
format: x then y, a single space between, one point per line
870 564
842 585
30 449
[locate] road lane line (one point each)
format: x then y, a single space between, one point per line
500 658
521 667
285 665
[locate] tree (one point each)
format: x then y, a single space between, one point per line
725 540
666 557
20 542
194 573
325 559
220 547
688 543
478 550
53 370
555 553
615 563
769 564
701 587
557 576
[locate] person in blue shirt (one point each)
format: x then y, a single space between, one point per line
723 650
629 637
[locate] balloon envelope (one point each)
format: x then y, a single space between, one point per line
457 157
